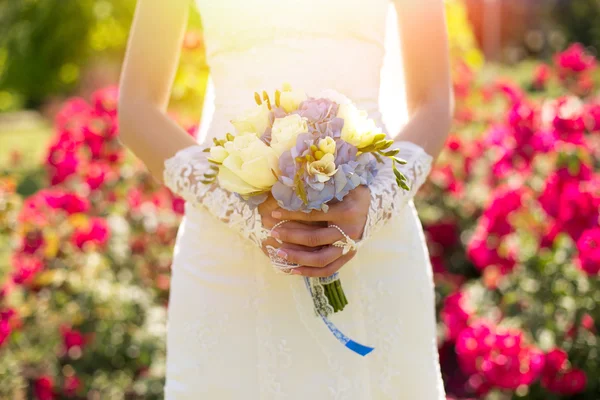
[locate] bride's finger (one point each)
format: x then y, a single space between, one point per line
325 271
319 259
334 213
311 238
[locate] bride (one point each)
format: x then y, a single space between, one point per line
236 329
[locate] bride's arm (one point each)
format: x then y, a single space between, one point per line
426 63
169 152
424 48
147 76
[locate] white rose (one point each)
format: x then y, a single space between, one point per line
291 99
249 166
255 121
359 130
322 169
218 153
334 96
285 131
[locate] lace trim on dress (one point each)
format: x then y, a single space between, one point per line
184 175
387 198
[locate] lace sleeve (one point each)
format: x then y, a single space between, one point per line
184 173
387 198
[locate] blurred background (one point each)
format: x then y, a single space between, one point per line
511 210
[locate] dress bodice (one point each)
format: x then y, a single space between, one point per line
312 44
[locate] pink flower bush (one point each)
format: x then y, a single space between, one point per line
500 357
455 314
95 232
588 247
521 179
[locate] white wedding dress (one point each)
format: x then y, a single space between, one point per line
238 330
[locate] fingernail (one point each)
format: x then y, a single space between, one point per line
296 272
275 234
276 214
282 254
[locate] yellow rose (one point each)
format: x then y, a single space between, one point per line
291 99
249 165
255 121
359 130
218 153
322 169
285 131
327 145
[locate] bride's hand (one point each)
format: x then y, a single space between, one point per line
350 215
265 210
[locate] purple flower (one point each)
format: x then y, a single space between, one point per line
317 110
352 171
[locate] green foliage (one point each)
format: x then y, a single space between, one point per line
579 21
45 46
43 43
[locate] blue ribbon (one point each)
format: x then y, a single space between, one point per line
343 339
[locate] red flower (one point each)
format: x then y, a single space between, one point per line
592 117
443 233
97 233
588 246
541 76
72 108
579 209
32 242
105 101
44 388
72 203
25 268
455 314
6 326
500 357
574 60
71 386
97 173
71 338
556 361
568 383
484 253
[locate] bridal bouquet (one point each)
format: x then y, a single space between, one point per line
308 152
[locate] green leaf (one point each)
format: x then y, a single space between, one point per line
391 153
299 185
384 145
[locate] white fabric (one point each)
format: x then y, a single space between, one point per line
238 330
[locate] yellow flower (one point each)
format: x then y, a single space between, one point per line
52 244
290 99
322 169
327 145
218 153
285 131
359 130
254 121
249 167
